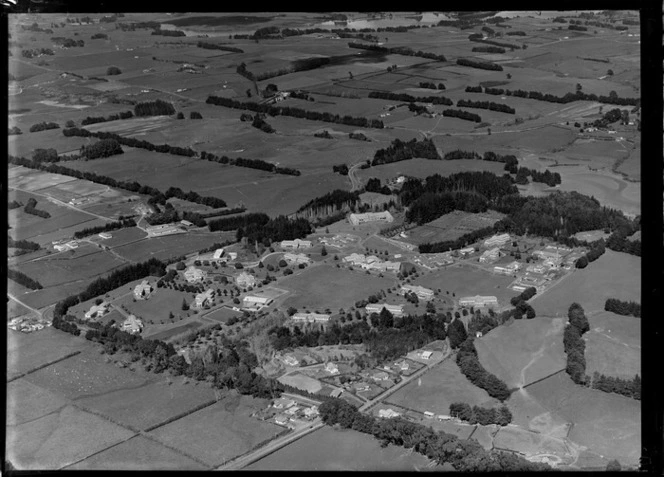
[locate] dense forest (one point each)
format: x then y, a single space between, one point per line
612 98
101 149
479 38
549 178
120 224
295 112
154 108
503 108
574 344
482 65
330 203
14 131
401 151
24 280
430 206
30 208
597 249
24 245
374 185
464 455
214 46
458 113
102 119
400 50
275 230
161 32
620 307
610 384
410 99
481 415
488 49
43 126
234 223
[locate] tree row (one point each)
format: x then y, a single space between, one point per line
579 95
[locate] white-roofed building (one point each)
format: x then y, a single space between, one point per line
478 301
388 413
466 251
425 354
490 255
291 360
497 240
132 325
255 302
332 368
218 254
421 292
283 403
295 244
311 317
97 311
245 279
203 299
105 235
396 310
193 274
357 219
296 258
142 290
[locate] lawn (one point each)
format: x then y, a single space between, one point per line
168 246
301 381
325 286
171 332
138 453
613 275
438 388
464 280
613 345
352 451
219 432
608 424
60 439
156 309
26 352
523 351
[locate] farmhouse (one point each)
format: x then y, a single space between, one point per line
296 258
281 419
142 290
361 386
218 254
444 417
421 292
396 310
336 393
295 244
380 376
203 299
332 368
245 279
425 354
232 255
402 365
311 412
97 311
478 301
61 247
466 251
490 255
255 302
311 317
292 410
193 274
291 361
388 413
132 325
497 240
105 235
357 219
283 403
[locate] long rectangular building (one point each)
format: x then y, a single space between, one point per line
478 301
357 219
311 317
396 310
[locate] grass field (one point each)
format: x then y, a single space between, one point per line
353 451
27 402
171 332
613 345
439 388
613 275
523 351
464 280
313 287
137 453
452 226
15 309
60 439
219 432
301 381
169 246
607 424
531 443
26 352
424 167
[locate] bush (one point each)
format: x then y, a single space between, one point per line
195 115
113 70
103 148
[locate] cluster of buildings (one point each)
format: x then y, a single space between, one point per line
290 411
332 368
371 262
490 255
255 303
26 324
388 413
311 317
203 299
194 275
358 219
434 260
508 269
396 310
478 301
296 244
296 258
97 311
132 325
245 280
142 290
421 292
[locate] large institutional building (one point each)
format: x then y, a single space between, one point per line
357 219
478 301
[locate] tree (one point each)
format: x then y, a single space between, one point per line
195 115
456 332
509 76
578 86
248 93
185 307
578 318
609 73
180 115
323 251
614 465
113 70
283 263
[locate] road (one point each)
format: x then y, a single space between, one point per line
64 204
34 310
355 183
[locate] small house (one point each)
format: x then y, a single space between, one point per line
332 368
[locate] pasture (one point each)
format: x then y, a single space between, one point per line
27 402
613 345
301 381
353 451
466 280
613 275
137 453
219 432
452 226
168 246
607 424
440 387
523 351
325 286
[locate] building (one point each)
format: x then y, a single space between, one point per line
255 302
105 235
61 247
362 386
467 251
97 311
296 258
245 280
380 376
355 258
478 301
490 255
428 414
291 411
508 269
544 254
232 255
186 223
283 403
497 240
291 361
332 368
132 325
336 393
444 417
193 274
142 290
295 244
388 413
421 292
281 419
536 268
311 412
396 310
203 299
357 219
218 254
425 354
311 317
402 365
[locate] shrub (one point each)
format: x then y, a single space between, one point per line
113 70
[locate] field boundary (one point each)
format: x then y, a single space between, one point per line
181 415
542 379
98 452
43 366
175 449
260 445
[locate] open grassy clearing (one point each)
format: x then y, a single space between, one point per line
466 280
613 345
157 307
179 330
221 431
26 352
27 402
452 226
613 275
352 451
60 439
31 180
137 453
631 167
121 237
25 144
608 424
15 309
439 388
170 246
301 381
325 286
523 351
